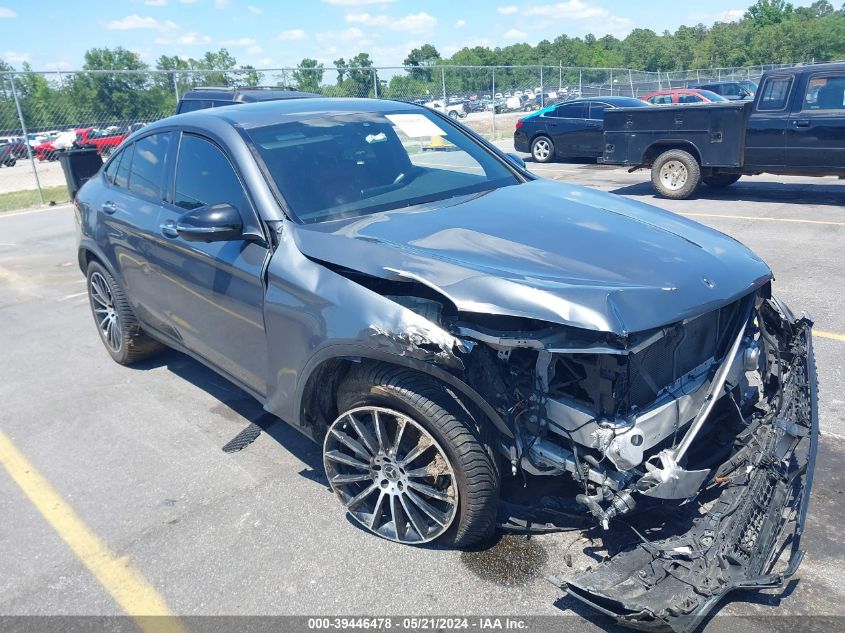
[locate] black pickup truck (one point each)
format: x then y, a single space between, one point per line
795 125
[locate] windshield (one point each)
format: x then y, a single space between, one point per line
750 86
351 164
712 96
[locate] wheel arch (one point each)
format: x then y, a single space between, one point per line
659 147
88 252
316 391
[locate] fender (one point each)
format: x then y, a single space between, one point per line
357 352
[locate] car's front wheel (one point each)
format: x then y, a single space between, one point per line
542 149
408 461
119 330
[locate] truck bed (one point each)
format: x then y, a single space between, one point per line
716 132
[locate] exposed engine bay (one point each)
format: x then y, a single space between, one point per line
715 415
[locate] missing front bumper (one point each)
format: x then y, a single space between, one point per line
674 583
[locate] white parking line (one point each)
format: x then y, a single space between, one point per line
74 295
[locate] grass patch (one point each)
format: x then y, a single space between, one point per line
26 198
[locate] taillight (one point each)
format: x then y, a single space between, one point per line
519 124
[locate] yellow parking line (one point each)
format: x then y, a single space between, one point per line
762 218
836 336
126 585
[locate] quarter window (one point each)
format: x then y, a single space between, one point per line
689 98
204 176
111 170
825 93
121 178
147 174
775 93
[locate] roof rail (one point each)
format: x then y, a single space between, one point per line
231 88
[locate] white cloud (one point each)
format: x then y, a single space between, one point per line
240 41
253 9
15 58
188 1
508 10
589 16
155 3
193 38
291 35
460 24
416 23
135 21
356 3
221 4
413 23
515 34
350 35
254 50
730 15
6 12
367 19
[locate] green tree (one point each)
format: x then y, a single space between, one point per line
308 75
420 60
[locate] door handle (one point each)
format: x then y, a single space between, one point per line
168 229
802 123
109 207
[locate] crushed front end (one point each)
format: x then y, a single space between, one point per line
706 428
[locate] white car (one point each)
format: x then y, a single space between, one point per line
518 93
452 110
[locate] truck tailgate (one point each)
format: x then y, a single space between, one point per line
715 130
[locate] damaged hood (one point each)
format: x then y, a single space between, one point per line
549 251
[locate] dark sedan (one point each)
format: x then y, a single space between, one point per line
567 130
442 321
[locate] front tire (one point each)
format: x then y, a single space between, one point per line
434 480
119 330
676 174
543 149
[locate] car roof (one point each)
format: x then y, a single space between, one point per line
244 95
614 100
261 113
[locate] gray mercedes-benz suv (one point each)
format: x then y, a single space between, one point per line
441 319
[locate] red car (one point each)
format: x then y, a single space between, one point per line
682 95
104 141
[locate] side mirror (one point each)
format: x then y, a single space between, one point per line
213 223
516 158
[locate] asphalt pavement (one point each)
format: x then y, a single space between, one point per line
132 456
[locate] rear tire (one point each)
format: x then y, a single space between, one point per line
466 445
676 174
119 330
11 162
543 149
720 181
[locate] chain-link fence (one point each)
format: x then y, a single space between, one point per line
44 114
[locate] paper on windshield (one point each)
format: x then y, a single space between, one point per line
415 125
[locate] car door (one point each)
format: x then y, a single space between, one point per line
566 124
210 295
593 133
815 134
765 137
128 222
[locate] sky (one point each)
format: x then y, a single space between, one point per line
54 34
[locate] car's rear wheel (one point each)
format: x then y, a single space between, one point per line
676 174
542 149
10 162
119 330
719 181
408 461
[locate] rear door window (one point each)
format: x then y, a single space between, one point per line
660 99
571 111
688 97
147 173
774 94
